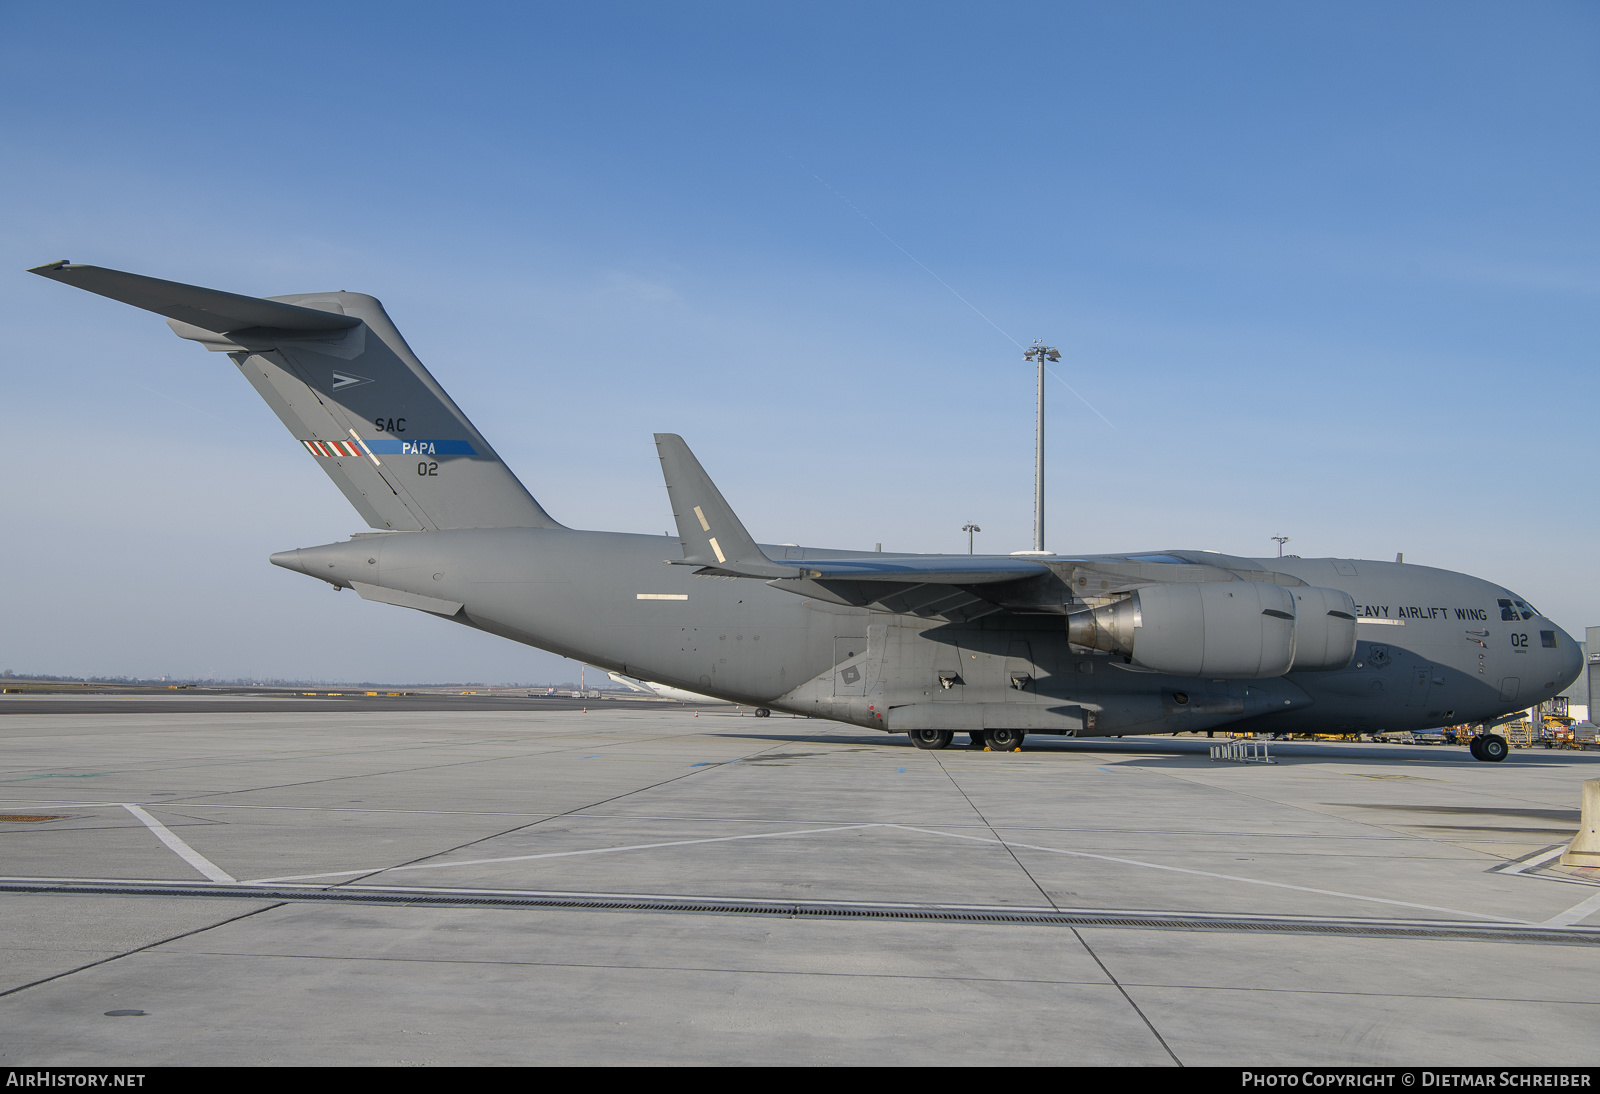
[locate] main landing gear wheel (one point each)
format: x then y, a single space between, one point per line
1493 748
978 740
1005 740
1474 746
763 712
931 738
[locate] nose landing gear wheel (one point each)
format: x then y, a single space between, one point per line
763 712
1493 748
931 738
1005 740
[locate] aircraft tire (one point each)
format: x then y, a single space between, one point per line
763 712
978 740
1473 746
1493 749
1005 740
931 738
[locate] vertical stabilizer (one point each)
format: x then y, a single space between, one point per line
337 373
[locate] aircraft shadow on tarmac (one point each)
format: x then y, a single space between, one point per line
1193 751
1189 752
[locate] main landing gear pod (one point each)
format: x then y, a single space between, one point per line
996 740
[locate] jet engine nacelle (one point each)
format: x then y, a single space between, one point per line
1223 629
1324 629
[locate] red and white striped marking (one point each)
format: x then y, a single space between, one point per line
331 449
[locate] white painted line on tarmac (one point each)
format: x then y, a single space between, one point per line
184 851
907 828
1536 860
1207 873
564 854
1210 834
1575 914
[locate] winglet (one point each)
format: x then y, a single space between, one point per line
713 538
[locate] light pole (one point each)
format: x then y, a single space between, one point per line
970 528
1281 541
1042 353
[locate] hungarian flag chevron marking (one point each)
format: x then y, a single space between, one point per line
331 449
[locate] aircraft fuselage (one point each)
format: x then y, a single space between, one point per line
1433 647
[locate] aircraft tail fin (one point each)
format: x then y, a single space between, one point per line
713 537
338 374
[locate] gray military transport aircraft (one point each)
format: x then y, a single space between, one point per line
995 647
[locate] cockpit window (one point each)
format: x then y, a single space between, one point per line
1511 611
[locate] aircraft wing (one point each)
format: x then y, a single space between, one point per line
957 588
961 588
924 569
953 587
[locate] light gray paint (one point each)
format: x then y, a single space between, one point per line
888 642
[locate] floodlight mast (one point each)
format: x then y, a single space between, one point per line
1042 353
970 528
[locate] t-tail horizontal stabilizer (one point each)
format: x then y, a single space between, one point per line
713 538
209 309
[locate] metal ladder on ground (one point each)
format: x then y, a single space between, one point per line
1243 752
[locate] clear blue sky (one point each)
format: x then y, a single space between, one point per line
1329 271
